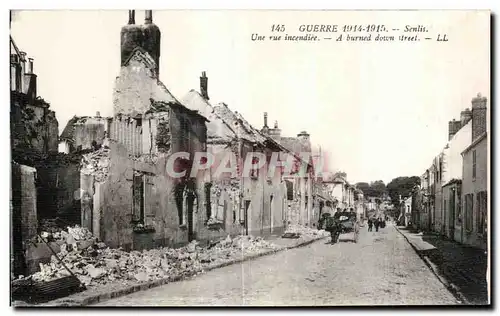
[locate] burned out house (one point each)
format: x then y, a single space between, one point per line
83 133
35 163
303 206
129 198
251 204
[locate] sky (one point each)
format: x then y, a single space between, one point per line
378 110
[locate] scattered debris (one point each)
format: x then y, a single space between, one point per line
305 232
97 164
98 264
291 235
75 236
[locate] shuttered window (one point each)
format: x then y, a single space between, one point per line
138 198
179 201
185 132
148 213
473 164
289 190
469 211
481 212
142 196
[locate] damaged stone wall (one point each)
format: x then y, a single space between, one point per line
28 201
137 85
132 133
90 131
24 221
224 203
188 132
113 203
33 126
57 183
57 178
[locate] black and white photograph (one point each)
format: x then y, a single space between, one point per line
277 158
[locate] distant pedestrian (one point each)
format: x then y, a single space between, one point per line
377 224
370 224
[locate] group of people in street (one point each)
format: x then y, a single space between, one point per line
377 222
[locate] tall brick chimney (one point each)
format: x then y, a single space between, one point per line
30 80
275 132
265 129
23 63
453 128
204 85
305 141
131 17
478 116
131 36
152 38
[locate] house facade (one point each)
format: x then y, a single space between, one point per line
33 139
253 204
475 182
300 199
84 133
453 178
453 193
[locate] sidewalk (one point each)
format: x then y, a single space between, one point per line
111 290
461 268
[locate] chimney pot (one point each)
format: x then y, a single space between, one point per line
98 114
131 16
30 65
265 119
204 85
276 124
148 17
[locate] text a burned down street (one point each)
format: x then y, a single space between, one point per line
350 33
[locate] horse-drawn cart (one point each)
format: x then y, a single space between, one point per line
347 223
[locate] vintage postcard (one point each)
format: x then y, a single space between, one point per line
250 157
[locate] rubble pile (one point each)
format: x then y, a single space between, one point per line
232 248
305 232
51 225
98 264
74 236
97 164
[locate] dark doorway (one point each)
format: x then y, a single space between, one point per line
245 215
451 220
271 214
190 202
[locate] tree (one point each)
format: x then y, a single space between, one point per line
375 189
363 186
378 188
401 186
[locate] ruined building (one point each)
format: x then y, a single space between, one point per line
303 206
34 126
34 132
84 133
243 204
128 198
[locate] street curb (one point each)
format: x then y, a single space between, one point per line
434 269
152 284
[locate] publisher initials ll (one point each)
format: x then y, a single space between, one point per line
442 38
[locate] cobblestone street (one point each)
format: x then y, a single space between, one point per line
382 268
